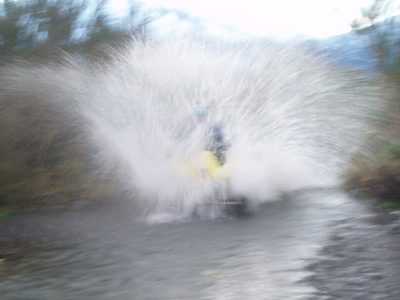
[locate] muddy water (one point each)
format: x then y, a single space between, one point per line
311 245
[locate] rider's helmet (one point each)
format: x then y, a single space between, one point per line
200 112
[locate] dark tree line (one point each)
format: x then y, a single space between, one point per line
379 176
383 30
39 27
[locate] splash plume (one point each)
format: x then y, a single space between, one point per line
291 118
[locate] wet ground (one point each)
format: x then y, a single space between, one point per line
311 245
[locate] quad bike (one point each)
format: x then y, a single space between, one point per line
208 168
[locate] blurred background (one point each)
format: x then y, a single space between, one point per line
41 26
37 169
315 244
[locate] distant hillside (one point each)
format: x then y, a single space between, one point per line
354 48
350 49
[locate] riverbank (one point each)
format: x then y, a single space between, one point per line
377 178
54 204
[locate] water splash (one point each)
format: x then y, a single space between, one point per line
291 119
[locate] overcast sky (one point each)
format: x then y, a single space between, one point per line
278 18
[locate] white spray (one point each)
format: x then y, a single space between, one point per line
290 118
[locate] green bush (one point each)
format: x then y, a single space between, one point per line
393 150
40 161
380 178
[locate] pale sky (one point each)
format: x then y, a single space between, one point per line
278 18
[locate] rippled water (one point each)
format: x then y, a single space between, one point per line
307 246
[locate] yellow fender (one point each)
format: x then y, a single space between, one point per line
208 167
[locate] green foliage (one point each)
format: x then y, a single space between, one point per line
59 184
40 27
365 198
378 179
6 213
388 204
393 150
383 35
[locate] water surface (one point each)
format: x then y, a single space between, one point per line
310 245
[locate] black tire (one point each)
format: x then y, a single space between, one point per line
236 206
